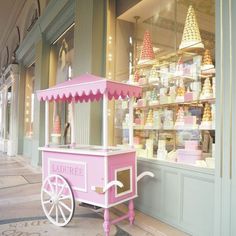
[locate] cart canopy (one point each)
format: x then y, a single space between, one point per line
88 87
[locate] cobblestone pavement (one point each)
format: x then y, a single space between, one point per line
21 213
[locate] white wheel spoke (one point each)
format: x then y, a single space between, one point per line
47 201
50 184
64 198
62 213
56 213
56 184
47 192
62 188
50 212
65 206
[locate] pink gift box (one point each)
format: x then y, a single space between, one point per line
188 96
188 156
137 121
191 145
190 120
141 102
136 140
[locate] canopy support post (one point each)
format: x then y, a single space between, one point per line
46 123
131 118
105 120
73 122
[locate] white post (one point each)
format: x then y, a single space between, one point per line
73 122
46 123
131 118
105 120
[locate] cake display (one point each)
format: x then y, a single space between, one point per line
149 120
180 67
136 77
180 91
149 148
214 86
56 132
172 94
207 91
191 38
168 119
207 61
163 96
153 98
179 123
157 119
190 154
153 76
161 151
147 53
190 122
207 118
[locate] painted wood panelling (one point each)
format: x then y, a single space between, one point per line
178 196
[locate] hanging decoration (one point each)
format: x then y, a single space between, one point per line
147 54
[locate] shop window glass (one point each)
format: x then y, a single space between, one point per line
29 100
168 50
61 64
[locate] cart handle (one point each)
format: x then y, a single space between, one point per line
145 173
109 185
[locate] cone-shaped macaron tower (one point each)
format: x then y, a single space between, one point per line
191 39
147 54
207 60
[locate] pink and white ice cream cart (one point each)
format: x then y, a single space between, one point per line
98 175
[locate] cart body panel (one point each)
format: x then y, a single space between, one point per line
85 172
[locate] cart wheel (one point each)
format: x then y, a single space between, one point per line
57 200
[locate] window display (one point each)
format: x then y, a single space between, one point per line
61 63
173 61
29 100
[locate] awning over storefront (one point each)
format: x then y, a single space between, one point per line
88 87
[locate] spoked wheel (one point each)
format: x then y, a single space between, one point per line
57 200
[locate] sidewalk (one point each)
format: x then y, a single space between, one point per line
21 212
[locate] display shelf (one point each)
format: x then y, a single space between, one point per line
166 84
190 129
199 101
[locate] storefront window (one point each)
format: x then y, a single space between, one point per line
169 51
61 64
29 100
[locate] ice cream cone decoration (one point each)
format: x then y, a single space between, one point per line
191 38
207 60
147 53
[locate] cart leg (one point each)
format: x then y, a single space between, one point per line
131 212
106 224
